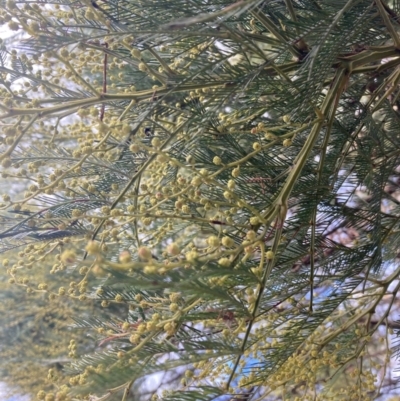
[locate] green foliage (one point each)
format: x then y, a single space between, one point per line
36 332
228 172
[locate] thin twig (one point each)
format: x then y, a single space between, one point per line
103 105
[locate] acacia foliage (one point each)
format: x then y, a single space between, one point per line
37 339
228 170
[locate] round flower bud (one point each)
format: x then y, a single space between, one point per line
134 339
196 181
256 146
254 220
125 257
175 296
231 184
182 181
173 249
150 269
189 374
169 328
144 253
213 241
228 195
217 160
13 26
115 213
65 53
269 136
191 256
87 150
89 14
162 158
105 209
156 142
6 162
249 250
251 235
142 67
134 148
224 262
102 128
92 248
269 255
227 241
235 172
68 256
136 53
287 142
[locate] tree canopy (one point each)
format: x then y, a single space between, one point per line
222 178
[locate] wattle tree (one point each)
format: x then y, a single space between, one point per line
219 181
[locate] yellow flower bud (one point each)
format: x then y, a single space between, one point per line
217 161
68 257
136 53
173 249
125 257
191 256
92 248
156 142
269 255
228 242
213 241
235 172
224 262
287 142
251 235
144 253
134 148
